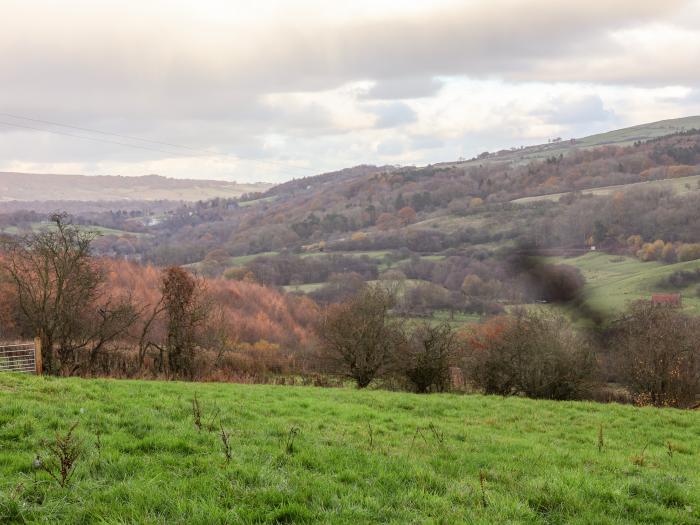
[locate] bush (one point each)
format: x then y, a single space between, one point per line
657 350
682 278
689 252
359 338
530 353
427 357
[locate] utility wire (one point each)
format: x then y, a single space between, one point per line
199 152
65 134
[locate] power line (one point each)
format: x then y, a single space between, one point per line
65 134
199 152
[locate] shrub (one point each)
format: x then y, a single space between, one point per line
359 337
657 350
428 355
682 278
530 353
689 252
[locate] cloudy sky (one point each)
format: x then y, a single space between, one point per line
270 90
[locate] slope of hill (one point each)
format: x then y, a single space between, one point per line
680 185
304 455
434 225
614 281
619 137
53 187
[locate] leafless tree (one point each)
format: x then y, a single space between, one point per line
359 336
427 356
657 348
534 354
60 293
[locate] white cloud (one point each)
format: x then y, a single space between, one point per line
325 85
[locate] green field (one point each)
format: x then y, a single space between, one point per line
357 457
679 186
303 288
100 230
400 285
613 282
457 320
245 204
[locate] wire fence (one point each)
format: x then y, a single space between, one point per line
19 357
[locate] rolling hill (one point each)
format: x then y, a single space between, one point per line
619 137
54 187
434 225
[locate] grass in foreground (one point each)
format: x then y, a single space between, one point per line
304 455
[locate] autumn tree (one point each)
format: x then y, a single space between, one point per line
359 336
8 325
406 215
387 221
186 310
60 294
689 252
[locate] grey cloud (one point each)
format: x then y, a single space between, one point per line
404 87
393 114
391 147
160 76
693 96
420 142
499 38
575 110
104 63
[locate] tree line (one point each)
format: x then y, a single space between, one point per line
97 317
651 353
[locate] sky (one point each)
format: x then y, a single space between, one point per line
273 90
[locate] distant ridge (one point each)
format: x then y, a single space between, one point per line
25 187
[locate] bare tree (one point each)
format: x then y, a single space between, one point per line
147 328
426 358
60 293
531 353
359 336
657 348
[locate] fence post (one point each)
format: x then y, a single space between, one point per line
39 368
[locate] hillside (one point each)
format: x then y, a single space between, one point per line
55 187
619 137
450 231
438 225
303 455
612 281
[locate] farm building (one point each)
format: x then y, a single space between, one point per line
667 299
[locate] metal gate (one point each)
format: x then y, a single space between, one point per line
20 357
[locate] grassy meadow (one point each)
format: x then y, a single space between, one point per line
679 186
99 230
613 281
311 455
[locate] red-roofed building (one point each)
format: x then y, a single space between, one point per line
667 299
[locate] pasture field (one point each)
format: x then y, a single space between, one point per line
311 455
679 186
614 281
99 230
255 202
